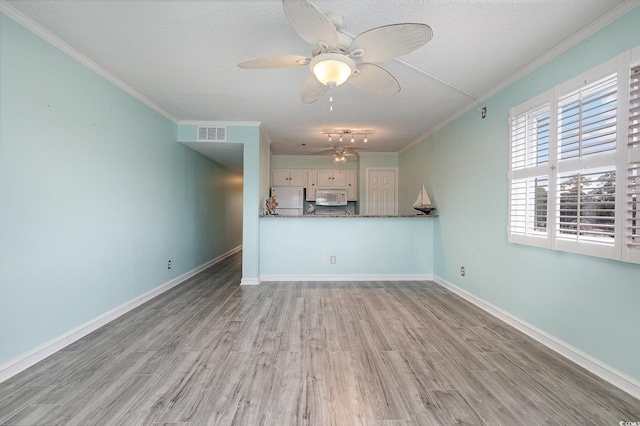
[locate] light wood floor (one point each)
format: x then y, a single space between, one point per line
374 353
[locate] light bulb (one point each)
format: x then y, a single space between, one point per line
332 69
352 139
365 140
340 138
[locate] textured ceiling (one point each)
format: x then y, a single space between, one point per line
182 56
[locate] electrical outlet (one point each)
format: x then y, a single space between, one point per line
169 265
462 271
332 259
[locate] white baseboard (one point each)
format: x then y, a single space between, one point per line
249 281
347 277
26 360
594 365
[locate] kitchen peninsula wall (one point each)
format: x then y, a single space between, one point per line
337 248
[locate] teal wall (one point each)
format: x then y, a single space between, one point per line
587 302
96 195
302 246
255 188
253 172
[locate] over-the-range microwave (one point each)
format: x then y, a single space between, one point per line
331 196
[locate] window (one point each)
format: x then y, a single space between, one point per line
632 216
587 120
586 207
573 181
530 131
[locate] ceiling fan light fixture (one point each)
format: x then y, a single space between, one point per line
332 69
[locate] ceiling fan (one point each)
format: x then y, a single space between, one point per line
337 58
340 153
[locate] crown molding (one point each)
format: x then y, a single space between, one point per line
219 123
47 36
558 49
376 154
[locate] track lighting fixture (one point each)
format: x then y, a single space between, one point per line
350 134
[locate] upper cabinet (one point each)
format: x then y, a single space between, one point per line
312 179
289 177
312 184
330 178
352 185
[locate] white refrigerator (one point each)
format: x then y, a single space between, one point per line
290 200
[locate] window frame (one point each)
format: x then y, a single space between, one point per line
617 160
527 173
631 254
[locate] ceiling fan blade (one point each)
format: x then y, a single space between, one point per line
284 61
310 23
387 42
373 79
312 90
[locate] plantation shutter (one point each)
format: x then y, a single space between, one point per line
585 186
529 206
634 108
586 207
574 164
633 182
587 120
529 179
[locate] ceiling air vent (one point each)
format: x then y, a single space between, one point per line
212 134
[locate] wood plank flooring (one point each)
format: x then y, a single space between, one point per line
210 352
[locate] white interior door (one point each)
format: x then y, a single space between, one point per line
381 192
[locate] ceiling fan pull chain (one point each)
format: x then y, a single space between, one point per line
330 99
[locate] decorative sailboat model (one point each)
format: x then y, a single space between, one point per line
423 203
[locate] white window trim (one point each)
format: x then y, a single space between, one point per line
620 159
632 156
526 172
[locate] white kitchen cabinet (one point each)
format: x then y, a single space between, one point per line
323 178
331 178
352 185
289 177
312 177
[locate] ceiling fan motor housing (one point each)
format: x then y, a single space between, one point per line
343 46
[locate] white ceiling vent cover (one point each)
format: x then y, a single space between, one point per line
212 134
